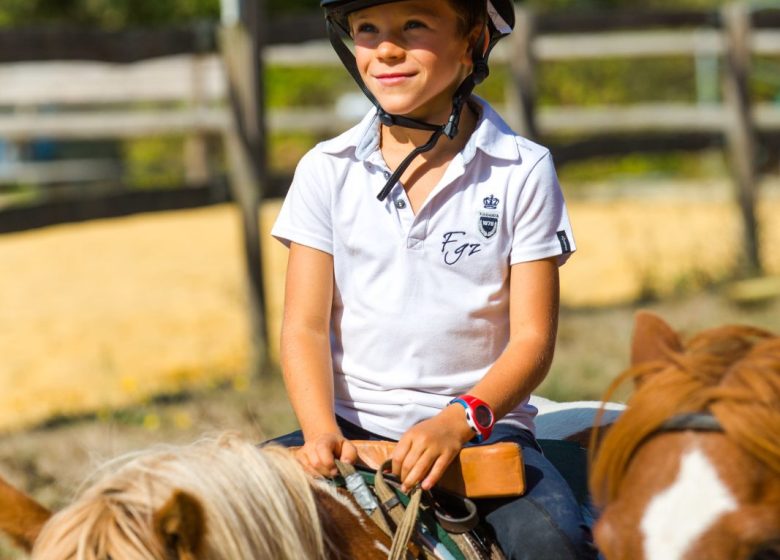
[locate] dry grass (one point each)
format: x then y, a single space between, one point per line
104 314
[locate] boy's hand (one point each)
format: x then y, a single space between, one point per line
318 455
426 449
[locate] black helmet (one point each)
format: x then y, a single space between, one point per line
501 14
501 20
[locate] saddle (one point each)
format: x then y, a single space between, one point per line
481 471
441 523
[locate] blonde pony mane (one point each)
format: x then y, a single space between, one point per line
732 372
258 503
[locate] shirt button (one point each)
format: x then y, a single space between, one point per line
386 174
400 204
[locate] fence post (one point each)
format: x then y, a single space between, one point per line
246 144
740 128
522 67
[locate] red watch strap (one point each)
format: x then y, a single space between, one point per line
475 412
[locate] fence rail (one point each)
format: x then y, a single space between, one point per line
132 45
151 82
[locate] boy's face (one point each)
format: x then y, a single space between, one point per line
411 56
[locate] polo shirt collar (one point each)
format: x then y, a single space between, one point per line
492 136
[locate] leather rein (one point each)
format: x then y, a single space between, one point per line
382 505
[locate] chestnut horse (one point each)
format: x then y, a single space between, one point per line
691 469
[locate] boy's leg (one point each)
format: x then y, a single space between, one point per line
546 522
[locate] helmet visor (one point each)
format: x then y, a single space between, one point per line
501 14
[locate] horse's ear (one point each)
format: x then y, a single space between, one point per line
653 339
21 517
180 524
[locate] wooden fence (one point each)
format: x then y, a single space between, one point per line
78 84
83 84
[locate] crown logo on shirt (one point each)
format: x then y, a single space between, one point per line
490 202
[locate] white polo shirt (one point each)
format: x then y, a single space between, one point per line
421 302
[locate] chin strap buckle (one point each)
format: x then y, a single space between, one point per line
451 128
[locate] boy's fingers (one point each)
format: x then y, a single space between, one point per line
416 473
323 460
303 459
437 471
348 453
399 456
411 462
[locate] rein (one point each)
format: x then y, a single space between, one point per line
404 524
695 421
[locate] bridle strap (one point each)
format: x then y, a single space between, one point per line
694 421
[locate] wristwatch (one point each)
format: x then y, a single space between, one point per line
479 416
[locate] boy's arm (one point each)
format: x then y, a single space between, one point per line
426 449
306 358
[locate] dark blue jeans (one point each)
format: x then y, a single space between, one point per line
544 524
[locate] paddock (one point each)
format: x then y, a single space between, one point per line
154 303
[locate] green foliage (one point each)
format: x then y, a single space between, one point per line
584 5
647 166
118 13
493 89
617 82
154 162
765 79
106 13
286 149
305 86
278 7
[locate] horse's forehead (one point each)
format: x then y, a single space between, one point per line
683 512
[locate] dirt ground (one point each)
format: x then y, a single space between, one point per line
100 319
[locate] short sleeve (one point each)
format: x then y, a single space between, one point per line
541 221
305 217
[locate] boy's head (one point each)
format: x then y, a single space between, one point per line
483 22
495 18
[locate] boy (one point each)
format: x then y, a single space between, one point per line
426 315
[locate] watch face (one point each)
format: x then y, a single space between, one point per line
483 416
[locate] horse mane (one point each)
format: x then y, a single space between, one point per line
732 372
258 503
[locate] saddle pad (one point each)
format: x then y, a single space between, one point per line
480 471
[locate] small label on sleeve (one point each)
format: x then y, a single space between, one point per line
564 241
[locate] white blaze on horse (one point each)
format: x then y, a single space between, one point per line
691 470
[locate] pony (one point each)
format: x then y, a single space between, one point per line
217 499
221 498
691 468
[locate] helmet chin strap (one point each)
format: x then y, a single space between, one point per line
449 129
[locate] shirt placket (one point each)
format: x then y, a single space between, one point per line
413 227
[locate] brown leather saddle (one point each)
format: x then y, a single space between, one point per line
481 471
